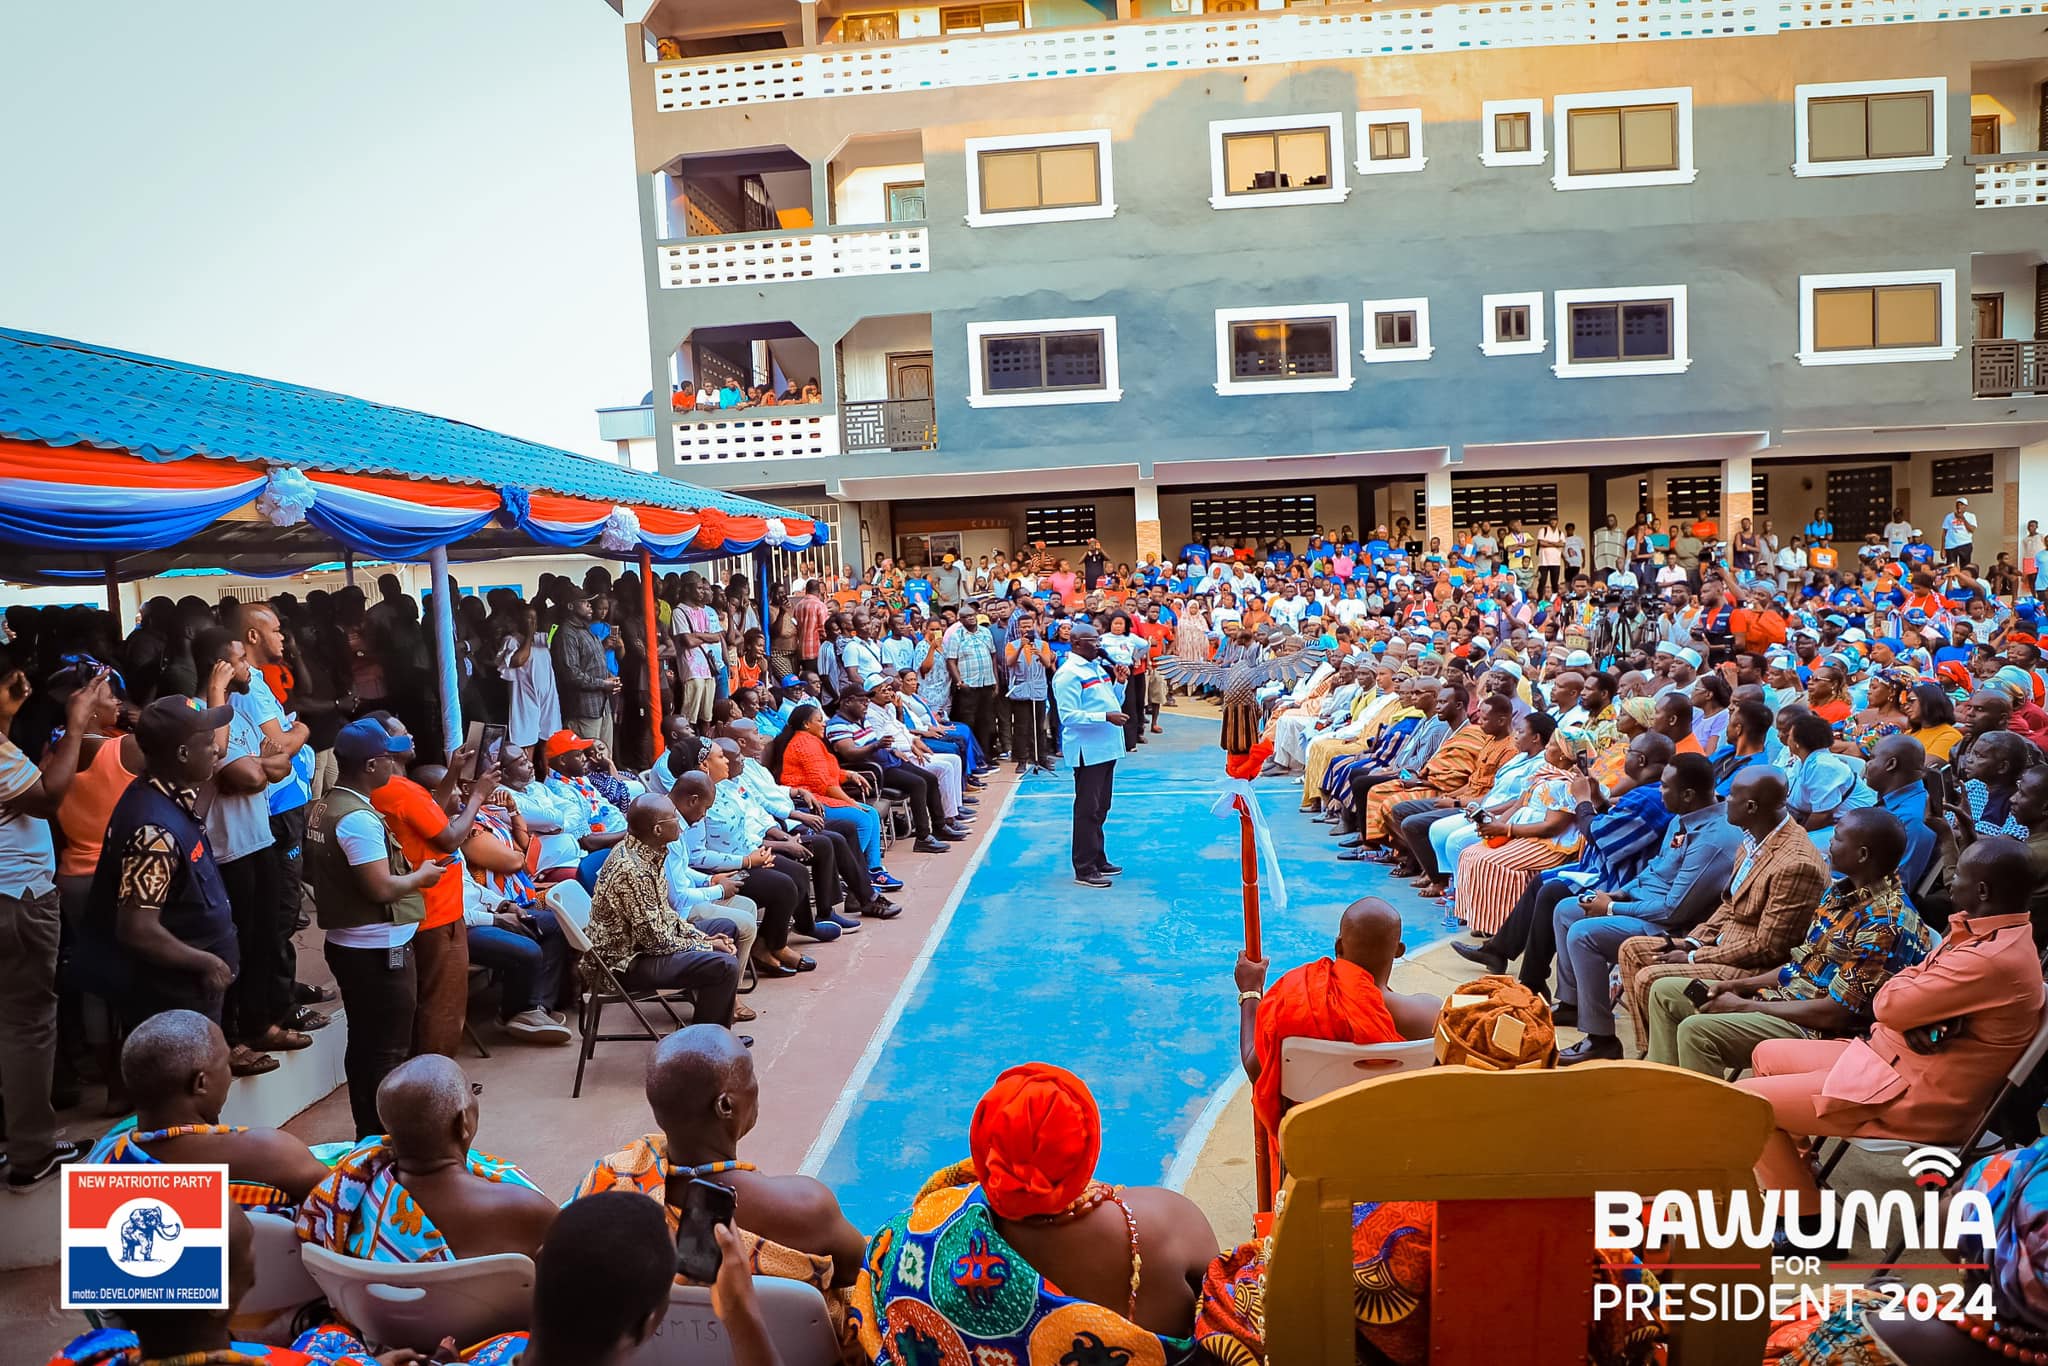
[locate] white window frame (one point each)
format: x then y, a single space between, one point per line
1886 355
1565 105
1336 192
1537 150
1681 353
1098 137
1537 342
979 397
1937 86
1373 354
1226 317
1414 161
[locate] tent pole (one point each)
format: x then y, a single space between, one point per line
765 566
348 567
651 620
444 651
114 593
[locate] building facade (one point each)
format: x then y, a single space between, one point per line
1127 269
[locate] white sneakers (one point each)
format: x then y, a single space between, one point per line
537 1026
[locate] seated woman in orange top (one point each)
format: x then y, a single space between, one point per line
800 760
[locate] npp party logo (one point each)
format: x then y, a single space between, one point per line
145 1236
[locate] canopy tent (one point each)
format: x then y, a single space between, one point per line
157 464
115 466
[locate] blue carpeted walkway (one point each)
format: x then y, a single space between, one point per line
1130 988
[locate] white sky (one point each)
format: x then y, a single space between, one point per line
424 202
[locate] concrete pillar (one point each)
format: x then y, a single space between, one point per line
2026 497
1436 497
1126 9
809 10
1145 494
1735 499
824 212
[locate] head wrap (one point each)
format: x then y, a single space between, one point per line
2015 681
2015 1185
1642 711
1577 740
1496 1025
1035 1139
1954 674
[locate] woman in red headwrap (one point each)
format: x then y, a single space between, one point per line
1020 1255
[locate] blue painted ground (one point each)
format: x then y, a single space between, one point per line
1130 988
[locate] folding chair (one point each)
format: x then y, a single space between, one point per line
602 987
416 1304
799 1327
1312 1068
1504 1156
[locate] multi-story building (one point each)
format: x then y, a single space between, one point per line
1130 269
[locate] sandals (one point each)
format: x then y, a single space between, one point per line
279 1039
742 1011
244 1061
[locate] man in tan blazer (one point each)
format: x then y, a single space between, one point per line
1778 882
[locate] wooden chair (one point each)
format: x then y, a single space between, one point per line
1513 1160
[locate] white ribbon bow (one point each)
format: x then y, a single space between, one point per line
621 534
1235 789
778 533
286 495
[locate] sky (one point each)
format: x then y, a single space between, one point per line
429 203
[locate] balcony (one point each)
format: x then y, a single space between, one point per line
2004 368
776 257
2012 183
1249 39
888 424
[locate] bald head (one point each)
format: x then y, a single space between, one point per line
1993 877
168 1054
1369 935
701 1079
647 811
426 1108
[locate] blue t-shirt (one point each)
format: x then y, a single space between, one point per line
1918 552
1376 549
1194 553
918 590
1283 558
1824 531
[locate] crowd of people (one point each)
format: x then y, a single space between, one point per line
1781 818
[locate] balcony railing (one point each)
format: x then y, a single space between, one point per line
772 258
1263 39
2013 182
891 424
2000 369
739 440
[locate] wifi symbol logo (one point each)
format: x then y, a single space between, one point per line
1932 1168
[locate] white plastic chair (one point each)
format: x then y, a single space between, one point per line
281 1279
416 1304
1310 1068
691 1335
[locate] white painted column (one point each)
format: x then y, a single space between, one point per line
2026 497
1735 494
1436 497
444 652
1145 495
810 21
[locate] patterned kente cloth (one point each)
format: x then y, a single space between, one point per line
362 1210
125 1148
941 1285
643 1166
325 1346
1390 1269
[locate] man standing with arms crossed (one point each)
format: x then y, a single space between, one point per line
1092 737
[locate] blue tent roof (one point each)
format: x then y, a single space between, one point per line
69 393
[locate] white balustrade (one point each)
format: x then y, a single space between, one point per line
797 437
2010 184
773 258
1263 39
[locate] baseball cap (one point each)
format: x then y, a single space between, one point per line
360 741
565 742
169 720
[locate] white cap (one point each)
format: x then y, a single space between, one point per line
1691 656
1665 647
1578 659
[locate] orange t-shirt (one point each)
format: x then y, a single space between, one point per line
415 817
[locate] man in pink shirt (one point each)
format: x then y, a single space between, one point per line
1947 1030
810 613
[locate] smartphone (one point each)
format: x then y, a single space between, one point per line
474 742
1585 763
1696 992
700 1207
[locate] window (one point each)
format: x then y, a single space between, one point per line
1042 361
1877 318
1294 159
867 28
1397 330
1622 331
1627 137
1252 519
1866 127
1532 504
1759 494
1038 178
1070 525
1859 501
1983 135
1283 350
1511 133
1963 474
981 18
1389 140
1688 498
1511 324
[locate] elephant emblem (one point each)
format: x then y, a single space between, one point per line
141 1229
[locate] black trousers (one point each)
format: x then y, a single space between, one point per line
844 872
1027 730
1134 711
380 992
1362 784
779 891
921 790
1094 789
975 709
1411 821
261 995
288 838
1530 932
